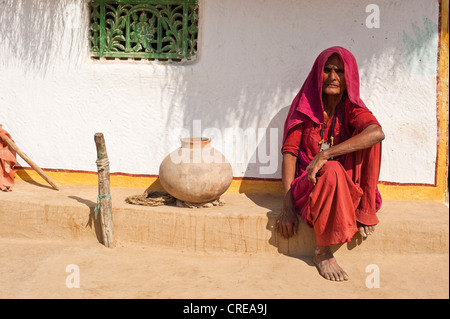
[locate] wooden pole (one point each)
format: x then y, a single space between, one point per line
29 161
104 202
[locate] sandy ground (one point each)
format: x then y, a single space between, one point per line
41 269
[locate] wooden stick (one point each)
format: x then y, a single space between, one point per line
29 161
104 202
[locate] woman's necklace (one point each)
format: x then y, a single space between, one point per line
326 145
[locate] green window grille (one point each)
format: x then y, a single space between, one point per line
144 29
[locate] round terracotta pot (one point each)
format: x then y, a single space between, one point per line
196 172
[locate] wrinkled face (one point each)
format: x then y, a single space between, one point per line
333 76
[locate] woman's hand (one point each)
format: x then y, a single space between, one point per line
315 165
368 137
287 221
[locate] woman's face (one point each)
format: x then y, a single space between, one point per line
333 76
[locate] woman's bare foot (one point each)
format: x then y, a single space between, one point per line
327 265
365 230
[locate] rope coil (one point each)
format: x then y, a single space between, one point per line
154 198
102 164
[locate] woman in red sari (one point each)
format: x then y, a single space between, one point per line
331 160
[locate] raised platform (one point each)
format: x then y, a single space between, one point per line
243 225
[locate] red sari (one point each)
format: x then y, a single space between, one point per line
346 189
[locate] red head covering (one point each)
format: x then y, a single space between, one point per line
308 102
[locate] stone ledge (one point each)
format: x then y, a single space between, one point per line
243 225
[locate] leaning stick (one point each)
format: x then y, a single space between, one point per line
29 161
104 202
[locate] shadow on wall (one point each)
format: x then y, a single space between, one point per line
23 174
32 29
252 87
267 159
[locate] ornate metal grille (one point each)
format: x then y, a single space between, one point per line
144 29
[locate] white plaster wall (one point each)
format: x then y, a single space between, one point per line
253 58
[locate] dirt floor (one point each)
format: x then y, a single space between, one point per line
42 269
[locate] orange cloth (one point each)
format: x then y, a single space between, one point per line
7 163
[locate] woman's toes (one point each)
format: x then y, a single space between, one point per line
362 231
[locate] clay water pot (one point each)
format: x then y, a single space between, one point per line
196 172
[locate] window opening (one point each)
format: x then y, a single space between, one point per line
143 29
